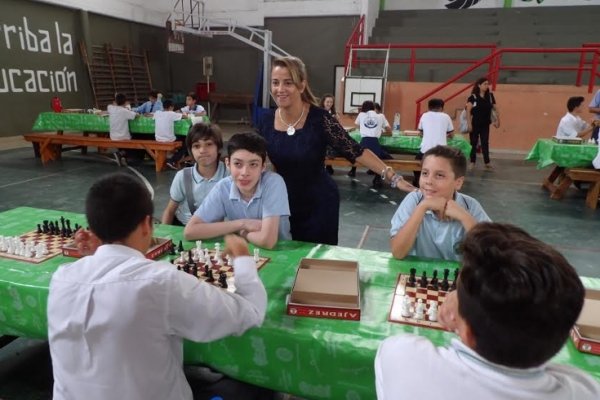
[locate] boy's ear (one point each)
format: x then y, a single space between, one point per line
226 162
147 226
458 183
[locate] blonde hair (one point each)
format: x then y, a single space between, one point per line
297 71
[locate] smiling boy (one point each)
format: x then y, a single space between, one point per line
252 201
432 222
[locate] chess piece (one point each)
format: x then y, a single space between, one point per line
39 228
209 276
186 268
420 309
69 230
434 279
432 312
206 269
444 285
172 249
45 226
195 270
223 280
181 259
405 306
423 280
453 285
190 257
217 247
180 247
256 255
412 280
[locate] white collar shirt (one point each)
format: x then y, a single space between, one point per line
458 373
164 128
118 121
570 125
116 322
435 125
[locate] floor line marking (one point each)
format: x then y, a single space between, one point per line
144 180
363 237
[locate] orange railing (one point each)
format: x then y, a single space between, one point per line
495 62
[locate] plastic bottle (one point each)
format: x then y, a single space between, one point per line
396 125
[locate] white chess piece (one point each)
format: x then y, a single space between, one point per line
432 312
217 247
405 306
256 255
182 259
206 256
420 309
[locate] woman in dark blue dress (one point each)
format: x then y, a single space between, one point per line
297 134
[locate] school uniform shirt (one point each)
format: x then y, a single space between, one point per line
411 367
570 125
118 121
436 238
435 125
200 187
595 103
150 107
371 124
164 130
197 109
225 202
116 322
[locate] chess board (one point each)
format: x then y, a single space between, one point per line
415 293
54 243
216 269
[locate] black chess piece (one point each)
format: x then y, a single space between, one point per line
445 285
172 249
186 268
206 268
412 279
56 228
69 230
45 227
434 279
190 258
62 224
209 276
178 267
180 247
195 270
39 228
223 280
51 228
423 280
453 285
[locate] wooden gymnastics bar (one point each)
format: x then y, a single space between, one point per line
49 147
398 165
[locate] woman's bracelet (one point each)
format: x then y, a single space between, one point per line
384 172
395 179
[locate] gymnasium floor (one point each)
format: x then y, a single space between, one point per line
512 193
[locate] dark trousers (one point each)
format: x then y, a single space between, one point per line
417 174
480 134
181 152
595 133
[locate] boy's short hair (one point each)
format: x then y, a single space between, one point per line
377 107
153 93
249 141
202 131
367 105
120 99
519 296
192 95
574 102
435 104
167 104
457 159
115 205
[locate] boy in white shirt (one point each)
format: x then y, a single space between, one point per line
118 120
164 130
191 108
435 127
571 125
515 303
117 320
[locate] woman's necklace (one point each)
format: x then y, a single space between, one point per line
291 127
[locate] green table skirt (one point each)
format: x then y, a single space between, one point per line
547 152
412 144
309 357
78 122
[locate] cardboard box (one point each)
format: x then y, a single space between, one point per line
575 140
586 332
158 247
326 289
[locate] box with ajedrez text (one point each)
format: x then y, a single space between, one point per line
586 332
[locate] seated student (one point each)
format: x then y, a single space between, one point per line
192 184
571 125
371 125
117 320
153 104
164 130
435 127
516 300
191 108
118 121
433 221
252 201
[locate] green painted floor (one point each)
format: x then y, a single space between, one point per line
512 193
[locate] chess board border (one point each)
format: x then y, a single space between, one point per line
51 254
399 291
159 247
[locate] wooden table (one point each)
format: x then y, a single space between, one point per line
230 99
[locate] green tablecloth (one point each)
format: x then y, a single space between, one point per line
412 144
547 152
78 122
309 357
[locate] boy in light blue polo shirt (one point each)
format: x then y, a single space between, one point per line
252 202
433 221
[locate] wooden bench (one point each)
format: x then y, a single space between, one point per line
398 165
49 147
587 175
